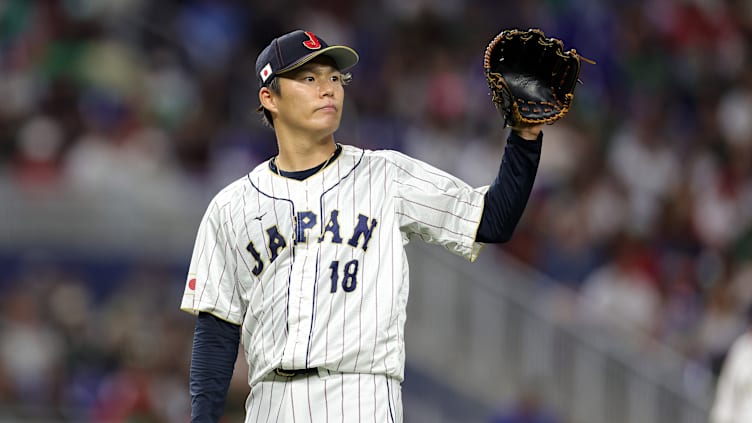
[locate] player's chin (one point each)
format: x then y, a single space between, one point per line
328 123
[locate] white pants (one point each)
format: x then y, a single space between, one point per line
325 397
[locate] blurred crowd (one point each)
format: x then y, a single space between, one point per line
642 207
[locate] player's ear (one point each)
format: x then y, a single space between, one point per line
267 99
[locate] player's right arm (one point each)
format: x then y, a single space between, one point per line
211 294
215 349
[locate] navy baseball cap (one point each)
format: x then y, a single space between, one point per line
294 49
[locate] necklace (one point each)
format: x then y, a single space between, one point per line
311 170
295 226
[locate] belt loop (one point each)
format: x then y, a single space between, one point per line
284 373
293 373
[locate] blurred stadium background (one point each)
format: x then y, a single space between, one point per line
616 301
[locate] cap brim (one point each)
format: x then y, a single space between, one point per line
343 56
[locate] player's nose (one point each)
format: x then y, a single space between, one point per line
326 88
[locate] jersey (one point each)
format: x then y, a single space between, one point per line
733 399
315 271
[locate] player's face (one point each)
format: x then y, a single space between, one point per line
311 99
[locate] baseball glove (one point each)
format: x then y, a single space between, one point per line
531 77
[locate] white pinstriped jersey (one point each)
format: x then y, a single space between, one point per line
315 271
733 395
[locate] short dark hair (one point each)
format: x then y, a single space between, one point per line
266 116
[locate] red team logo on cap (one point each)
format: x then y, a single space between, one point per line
312 42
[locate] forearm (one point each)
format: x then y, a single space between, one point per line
215 349
507 196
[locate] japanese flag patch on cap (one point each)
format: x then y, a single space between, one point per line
266 72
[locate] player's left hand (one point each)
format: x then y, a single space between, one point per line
528 132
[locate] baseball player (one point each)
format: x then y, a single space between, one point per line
733 396
302 261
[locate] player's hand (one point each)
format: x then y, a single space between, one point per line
528 132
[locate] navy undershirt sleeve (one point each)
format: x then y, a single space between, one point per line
215 349
508 194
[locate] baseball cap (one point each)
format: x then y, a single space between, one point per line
294 49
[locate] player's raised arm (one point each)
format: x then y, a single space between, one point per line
507 196
532 80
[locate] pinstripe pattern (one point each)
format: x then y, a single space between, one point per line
335 397
316 273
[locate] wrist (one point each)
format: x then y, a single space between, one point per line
528 133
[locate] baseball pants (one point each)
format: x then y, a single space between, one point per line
325 396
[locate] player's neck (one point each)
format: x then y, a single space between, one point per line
297 156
